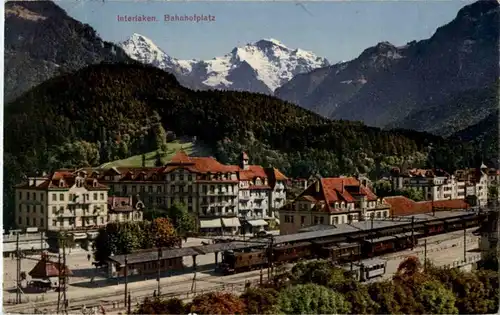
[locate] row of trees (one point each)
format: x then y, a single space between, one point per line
125 237
383 188
320 288
161 228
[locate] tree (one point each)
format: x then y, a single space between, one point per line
489 279
383 188
164 232
159 306
259 300
182 220
311 299
158 161
216 303
435 298
383 293
412 193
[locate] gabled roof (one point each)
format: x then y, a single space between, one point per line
63 179
46 269
328 191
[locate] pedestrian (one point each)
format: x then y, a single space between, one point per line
88 257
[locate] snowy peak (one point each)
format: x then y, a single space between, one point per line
260 67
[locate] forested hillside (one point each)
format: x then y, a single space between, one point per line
111 111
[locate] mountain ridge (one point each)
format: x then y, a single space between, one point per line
42 40
258 67
385 83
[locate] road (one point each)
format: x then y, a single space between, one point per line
442 249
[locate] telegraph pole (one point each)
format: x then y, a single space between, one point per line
465 242
65 277
59 284
18 274
126 279
425 254
159 271
412 232
129 304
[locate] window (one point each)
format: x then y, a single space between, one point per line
150 189
41 209
172 188
41 196
34 196
190 199
54 222
190 208
190 177
158 189
20 220
54 209
95 196
133 189
34 221
158 200
61 197
172 177
321 220
181 177
190 189
20 208
20 195
102 196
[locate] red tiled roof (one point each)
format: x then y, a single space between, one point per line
181 158
195 165
46 269
338 189
63 180
401 206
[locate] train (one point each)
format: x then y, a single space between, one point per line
338 251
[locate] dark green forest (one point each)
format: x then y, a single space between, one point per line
112 111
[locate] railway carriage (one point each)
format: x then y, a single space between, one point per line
292 252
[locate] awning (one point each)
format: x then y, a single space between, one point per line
259 222
231 222
210 223
11 247
79 236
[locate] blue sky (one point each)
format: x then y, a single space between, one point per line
337 30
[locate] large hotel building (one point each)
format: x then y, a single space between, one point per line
225 198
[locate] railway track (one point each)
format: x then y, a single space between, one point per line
108 299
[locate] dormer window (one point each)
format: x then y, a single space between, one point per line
61 183
95 183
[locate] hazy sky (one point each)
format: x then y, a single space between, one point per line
337 30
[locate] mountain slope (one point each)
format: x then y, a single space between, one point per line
109 112
259 67
41 41
387 83
464 109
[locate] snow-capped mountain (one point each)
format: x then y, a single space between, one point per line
257 67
